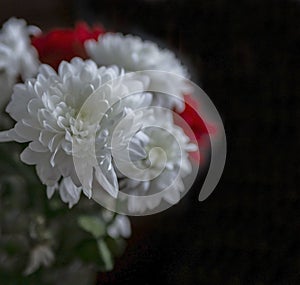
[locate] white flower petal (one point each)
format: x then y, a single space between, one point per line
51 190
69 192
5 136
108 181
120 227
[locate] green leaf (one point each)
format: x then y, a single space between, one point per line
105 255
87 251
116 245
93 225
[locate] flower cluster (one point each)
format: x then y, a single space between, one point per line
103 115
96 109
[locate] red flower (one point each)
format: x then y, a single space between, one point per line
199 132
64 44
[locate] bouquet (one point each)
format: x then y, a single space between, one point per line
109 125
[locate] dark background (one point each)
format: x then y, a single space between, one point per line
245 55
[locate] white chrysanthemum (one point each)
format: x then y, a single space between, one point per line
134 54
47 113
167 155
17 56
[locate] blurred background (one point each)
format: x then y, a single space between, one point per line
245 55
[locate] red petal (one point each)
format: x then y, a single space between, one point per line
64 44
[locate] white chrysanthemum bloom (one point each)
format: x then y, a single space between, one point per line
48 112
17 56
41 255
134 54
165 165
